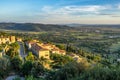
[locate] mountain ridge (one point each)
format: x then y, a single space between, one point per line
36 27
33 27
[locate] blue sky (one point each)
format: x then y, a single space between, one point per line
61 11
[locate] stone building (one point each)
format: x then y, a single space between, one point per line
12 39
39 51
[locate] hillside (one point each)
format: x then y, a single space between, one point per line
33 27
95 25
52 27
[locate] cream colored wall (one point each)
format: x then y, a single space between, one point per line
4 40
44 53
0 54
12 39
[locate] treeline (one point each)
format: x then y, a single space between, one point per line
79 71
99 73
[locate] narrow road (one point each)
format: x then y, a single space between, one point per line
22 50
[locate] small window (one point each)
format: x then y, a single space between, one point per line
46 55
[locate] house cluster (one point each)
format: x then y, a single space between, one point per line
10 39
4 40
44 49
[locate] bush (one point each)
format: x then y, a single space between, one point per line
16 63
26 68
37 69
99 73
70 70
4 67
17 78
30 77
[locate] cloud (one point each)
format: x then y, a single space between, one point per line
105 14
74 10
116 16
74 13
119 6
92 8
47 8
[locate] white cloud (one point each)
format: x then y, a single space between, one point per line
76 13
47 8
67 10
84 8
119 6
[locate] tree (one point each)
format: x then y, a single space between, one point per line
17 78
15 46
13 50
12 53
61 46
4 66
99 73
60 60
37 69
30 77
16 63
26 68
70 70
30 57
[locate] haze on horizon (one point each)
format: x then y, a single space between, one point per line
60 11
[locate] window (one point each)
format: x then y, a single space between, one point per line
46 54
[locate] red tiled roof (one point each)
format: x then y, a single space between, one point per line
37 47
30 42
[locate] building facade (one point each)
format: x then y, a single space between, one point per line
4 40
44 50
39 51
12 39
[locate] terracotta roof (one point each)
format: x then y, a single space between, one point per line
61 50
30 42
55 49
48 45
37 47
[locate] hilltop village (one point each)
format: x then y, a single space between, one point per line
40 50
5 41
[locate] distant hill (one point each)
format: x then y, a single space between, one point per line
95 25
33 27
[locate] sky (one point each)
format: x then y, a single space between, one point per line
60 11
